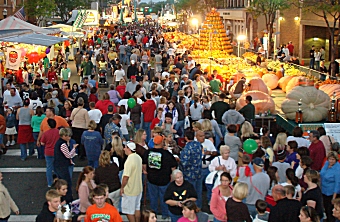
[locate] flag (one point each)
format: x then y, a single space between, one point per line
80 19
83 19
21 14
77 20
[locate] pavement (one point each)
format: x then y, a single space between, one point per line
26 180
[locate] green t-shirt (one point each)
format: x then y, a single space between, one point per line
64 73
46 63
215 85
87 68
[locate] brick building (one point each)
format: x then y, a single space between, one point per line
9 7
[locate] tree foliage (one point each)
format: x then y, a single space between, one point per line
40 9
268 8
329 11
198 6
64 7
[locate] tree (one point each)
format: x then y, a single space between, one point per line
64 7
40 9
329 11
268 8
198 7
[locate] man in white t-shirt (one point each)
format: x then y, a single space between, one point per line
165 73
94 114
209 151
119 74
191 63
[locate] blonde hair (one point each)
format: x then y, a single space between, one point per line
51 104
281 141
197 125
92 125
247 129
224 148
104 158
117 146
138 136
162 100
240 191
51 194
206 125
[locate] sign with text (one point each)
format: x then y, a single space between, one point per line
307 127
333 129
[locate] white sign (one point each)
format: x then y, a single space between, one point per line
265 43
92 18
333 129
13 58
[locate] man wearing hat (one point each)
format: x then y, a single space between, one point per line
258 185
132 70
183 81
132 187
282 166
158 164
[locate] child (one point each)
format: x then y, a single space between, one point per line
2 132
10 127
157 131
106 188
60 186
169 143
244 171
206 103
262 215
157 121
167 125
290 191
93 97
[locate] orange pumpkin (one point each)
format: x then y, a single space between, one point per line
284 81
271 80
330 89
262 101
295 81
279 74
258 84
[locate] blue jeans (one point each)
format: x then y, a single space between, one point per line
93 163
179 127
49 168
70 170
23 150
198 187
217 140
311 63
40 149
205 172
137 127
3 220
126 136
122 58
174 217
157 192
127 57
223 129
146 127
215 220
252 210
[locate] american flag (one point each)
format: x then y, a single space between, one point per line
20 14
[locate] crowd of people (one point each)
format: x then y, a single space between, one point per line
163 132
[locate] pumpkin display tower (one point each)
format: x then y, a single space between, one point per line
213 36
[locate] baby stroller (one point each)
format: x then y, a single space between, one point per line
102 79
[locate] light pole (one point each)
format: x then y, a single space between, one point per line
240 39
4 13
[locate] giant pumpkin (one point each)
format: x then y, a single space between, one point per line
315 103
258 84
262 101
329 89
271 80
284 81
293 82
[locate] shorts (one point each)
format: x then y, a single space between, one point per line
11 131
131 203
1 139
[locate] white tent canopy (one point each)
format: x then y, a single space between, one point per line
36 39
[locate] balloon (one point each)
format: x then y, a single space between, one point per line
250 146
131 103
67 43
33 57
23 52
48 50
42 55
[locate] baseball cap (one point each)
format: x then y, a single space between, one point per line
158 139
133 77
258 162
133 62
131 146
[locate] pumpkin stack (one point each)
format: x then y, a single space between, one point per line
213 29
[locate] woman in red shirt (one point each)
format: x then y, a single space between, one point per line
51 74
121 87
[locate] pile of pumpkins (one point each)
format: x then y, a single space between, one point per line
315 102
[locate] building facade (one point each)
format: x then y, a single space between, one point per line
9 7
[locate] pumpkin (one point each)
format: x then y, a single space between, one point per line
271 80
279 74
315 103
295 81
284 81
258 84
329 89
251 75
262 101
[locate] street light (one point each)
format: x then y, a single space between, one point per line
240 39
194 22
4 13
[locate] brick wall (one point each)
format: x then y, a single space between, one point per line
289 28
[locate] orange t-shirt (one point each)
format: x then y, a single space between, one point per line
107 213
66 92
61 122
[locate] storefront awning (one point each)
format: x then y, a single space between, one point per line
36 39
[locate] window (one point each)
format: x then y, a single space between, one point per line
5 2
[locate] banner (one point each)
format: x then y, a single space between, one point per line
333 129
13 58
307 127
